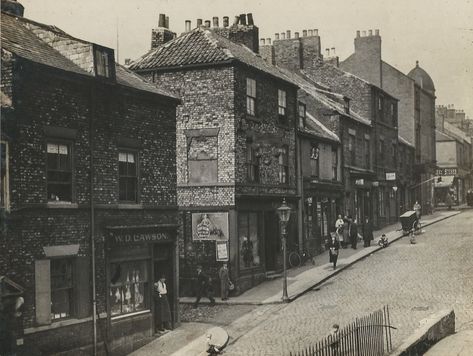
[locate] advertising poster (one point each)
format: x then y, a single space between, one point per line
210 226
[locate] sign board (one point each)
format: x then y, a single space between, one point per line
209 226
391 176
221 248
360 182
447 171
376 184
127 237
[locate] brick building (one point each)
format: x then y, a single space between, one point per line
88 191
370 190
235 148
416 108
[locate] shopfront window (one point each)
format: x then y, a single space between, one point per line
249 240
61 288
129 285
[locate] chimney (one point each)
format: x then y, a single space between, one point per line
333 52
288 34
316 32
296 34
268 40
161 34
283 36
304 33
242 19
370 32
276 36
13 7
376 32
262 42
215 21
369 48
207 23
358 33
327 52
225 21
250 19
188 25
237 20
364 33
127 61
311 33
199 22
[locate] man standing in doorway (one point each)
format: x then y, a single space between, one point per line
353 232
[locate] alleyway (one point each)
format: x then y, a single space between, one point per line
414 280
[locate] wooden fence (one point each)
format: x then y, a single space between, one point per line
366 336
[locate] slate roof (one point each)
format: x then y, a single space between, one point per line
315 127
199 47
405 142
18 38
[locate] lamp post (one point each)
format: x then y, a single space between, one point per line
284 213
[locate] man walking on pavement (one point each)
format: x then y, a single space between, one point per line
203 287
353 232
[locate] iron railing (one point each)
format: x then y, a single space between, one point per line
366 336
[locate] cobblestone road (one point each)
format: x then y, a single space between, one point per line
414 280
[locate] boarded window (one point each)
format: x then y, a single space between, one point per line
202 154
59 172
128 176
251 96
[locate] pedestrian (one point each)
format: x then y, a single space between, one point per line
339 223
353 232
204 288
163 311
368 233
448 201
247 251
345 232
224 281
334 247
418 209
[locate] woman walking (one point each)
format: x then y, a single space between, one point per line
224 281
163 312
333 246
346 232
368 233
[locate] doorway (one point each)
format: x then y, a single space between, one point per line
271 242
163 266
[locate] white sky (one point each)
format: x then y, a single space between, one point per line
438 33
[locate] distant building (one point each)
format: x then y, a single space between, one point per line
416 108
236 153
86 182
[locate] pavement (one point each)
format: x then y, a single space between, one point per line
265 299
459 344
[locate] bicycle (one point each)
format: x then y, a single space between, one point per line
297 259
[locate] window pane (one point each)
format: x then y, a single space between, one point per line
61 288
131 189
249 240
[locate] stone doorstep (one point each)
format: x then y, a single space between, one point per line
306 284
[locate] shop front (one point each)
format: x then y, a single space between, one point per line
136 257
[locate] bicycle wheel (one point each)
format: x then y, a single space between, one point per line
294 259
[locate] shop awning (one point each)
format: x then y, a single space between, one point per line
447 181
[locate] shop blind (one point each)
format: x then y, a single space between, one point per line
43 292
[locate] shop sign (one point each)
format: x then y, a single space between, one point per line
221 248
447 171
209 226
391 176
129 238
360 181
376 184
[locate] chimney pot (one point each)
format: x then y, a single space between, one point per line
127 61
262 41
215 21
225 21
162 20
358 33
237 20
327 51
311 33
288 34
166 22
268 40
316 32
250 19
283 36
207 23
188 25
364 33
296 34
304 33
199 22
370 32
276 36
243 19
376 32
333 51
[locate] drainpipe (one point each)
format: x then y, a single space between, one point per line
92 211
300 192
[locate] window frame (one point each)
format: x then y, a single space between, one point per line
100 52
253 163
135 153
352 148
282 107
381 149
367 150
314 156
72 301
70 148
5 182
334 163
283 165
247 215
215 160
251 96
302 118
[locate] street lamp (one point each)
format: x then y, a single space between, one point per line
284 213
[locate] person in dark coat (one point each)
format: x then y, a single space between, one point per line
353 232
204 289
346 232
333 248
368 233
224 281
163 311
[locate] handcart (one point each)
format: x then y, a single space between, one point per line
410 224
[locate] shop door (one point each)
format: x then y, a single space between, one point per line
271 240
163 265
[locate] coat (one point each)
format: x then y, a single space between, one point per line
353 230
203 283
368 232
333 246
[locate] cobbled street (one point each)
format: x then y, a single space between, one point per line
414 280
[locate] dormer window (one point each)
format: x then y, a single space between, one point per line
104 62
347 105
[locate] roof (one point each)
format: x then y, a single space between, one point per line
404 141
442 136
455 132
18 37
422 78
315 127
199 47
325 97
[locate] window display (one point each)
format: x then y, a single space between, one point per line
249 242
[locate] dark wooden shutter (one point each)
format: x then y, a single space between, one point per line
43 292
82 289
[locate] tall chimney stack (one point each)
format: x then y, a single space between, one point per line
296 34
188 25
370 32
304 33
288 34
276 36
199 22
162 20
283 36
268 40
250 19
225 21
207 23
166 22
242 19
358 33
215 21
161 34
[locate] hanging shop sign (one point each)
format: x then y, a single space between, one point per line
360 181
210 226
391 176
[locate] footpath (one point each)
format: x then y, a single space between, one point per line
185 340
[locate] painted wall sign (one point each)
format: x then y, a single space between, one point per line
210 226
132 237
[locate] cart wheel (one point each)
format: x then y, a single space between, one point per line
294 259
